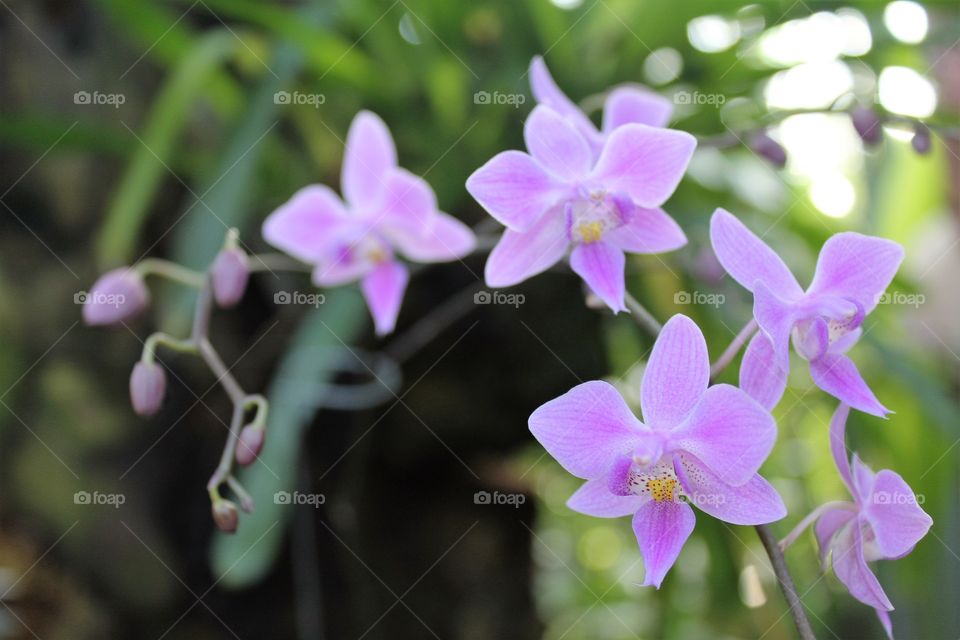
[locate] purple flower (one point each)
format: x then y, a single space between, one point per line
884 522
624 105
558 195
386 209
696 445
823 322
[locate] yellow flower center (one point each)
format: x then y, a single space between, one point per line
590 231
661 488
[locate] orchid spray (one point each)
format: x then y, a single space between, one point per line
588 195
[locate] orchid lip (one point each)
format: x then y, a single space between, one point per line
591 213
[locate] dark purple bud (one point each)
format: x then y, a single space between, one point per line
116 296
148 385
765 146
225 515
868 124
921 139
229 275
250 444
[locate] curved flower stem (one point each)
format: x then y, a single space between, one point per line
641 316
171 271
241 400
811 518
159 339
731 351
785 580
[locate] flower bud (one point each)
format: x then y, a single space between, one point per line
868 124
921 139
117 295
225 515
229 275
766 147
148 384
250 444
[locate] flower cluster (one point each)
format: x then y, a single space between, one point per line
596 194
589 194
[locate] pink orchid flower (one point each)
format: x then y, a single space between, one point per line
884 522
624 105
696 445
386 210
823 322
556 196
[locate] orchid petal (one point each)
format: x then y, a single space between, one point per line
587 428
897 520
522 254
307 223
546 92
852 570
677 374
760 375
647 231
383 290
601 265
753 502
826 528
748 259
368 156
443 239
855 266
885 622
837 375
863 478
729 433
776 318
554 142
627 105
661 529
593 498
644 162
838 445
513 188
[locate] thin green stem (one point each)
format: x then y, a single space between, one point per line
733 349
171 271
641 316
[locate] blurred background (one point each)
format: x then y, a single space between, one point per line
135 129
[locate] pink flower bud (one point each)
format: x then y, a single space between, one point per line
148 384
250 444
766 147
225 515
921 139
229 275
868 124
116 296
